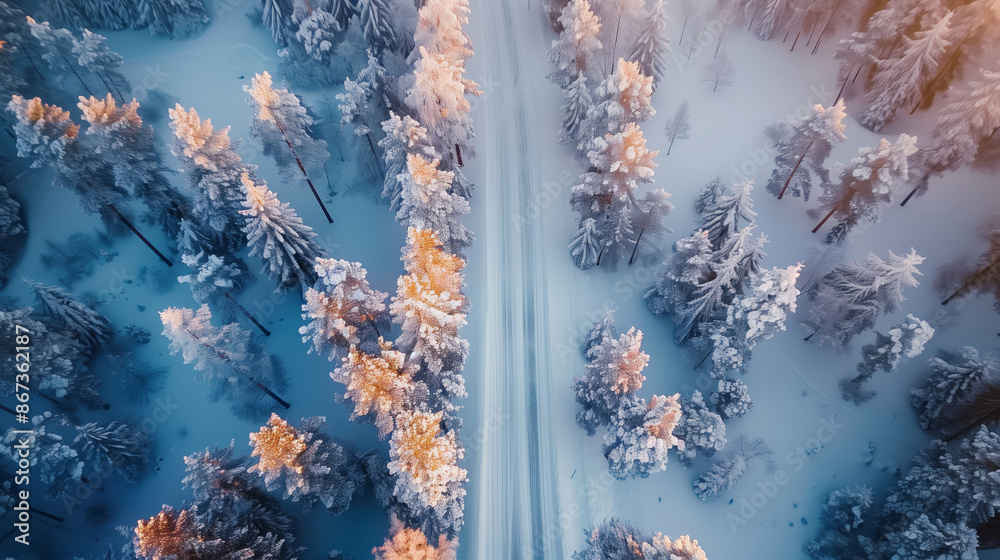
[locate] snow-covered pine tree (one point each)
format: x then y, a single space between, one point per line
130 150
732 399
866 185
682 273
179 19
602 330
702 430
678 125
640 435
573 52
617 540
237 368
812 137
403 136
708 195
167 534
277 235
899 81
971 116
365 103
119 445
647 217
622 22
905 339
376 17
576 103
342 310
953 379
379 384
984 276
849 299
304 462
214 169
843 513
613 373
92 54
725 475
428 201
73 317
721 220
212 276
652 45
624 97
10 215
405 542
56 45
54 359
276 15
58 466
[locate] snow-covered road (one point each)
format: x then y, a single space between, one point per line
513 494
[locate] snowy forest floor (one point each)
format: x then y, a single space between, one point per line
537 482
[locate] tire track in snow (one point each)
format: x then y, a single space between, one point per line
514 515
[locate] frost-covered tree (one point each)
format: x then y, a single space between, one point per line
899 81
702 430
843 513
617 540
812 137
683 272
864 186
722 219
424 459
622 98
971 116
212 276
342 310
849 299
573 52
953 379
759 315
602 331
304 462
731 400
640 435
92 54
576 103
54 356
168 534
428 201
719 73
615 372
586 245
708 195
72 316
984 276
647 217
403 136
277 235
237 368
129 147
179 19
214 168
366 101
56 45
376 18
652 45
724 475
405 543
380 385
905 339
276 15
119 445
10 215
56 464
678 125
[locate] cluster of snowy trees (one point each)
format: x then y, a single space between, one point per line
639 432
956 395
620 540
177 19
905 339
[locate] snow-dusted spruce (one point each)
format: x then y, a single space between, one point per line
212 276
54 357
618 540
118 445
970 117
600 332
682 273
722 218
576 103
304 462
365 105
849 299
898 81
652 45
731 400
276 15
58 466
424 459
73 317
430 307
231 515
984 276
92 65
403 136
613 373
641 434
376 19
179 19
574 50
932 511
46 134
719 73
905 339
759 315
379 384
678 125
866 184
954 379
238 369
724 475
843 512
702 430
342 310
621 98
622 22
214 168
11 82
405 543
93 55
439 90
428 201
277 235
810 141
10 215
130 149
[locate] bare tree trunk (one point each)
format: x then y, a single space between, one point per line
847 198
247 313
794 169
944 67
303 170
843 86
458 153
795 42
722 34
129 225
70 66
968 282
636 248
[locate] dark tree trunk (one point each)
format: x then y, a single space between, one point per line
129 225
302 168
272 395
636 248
968 282
458 154
247 313
795 169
